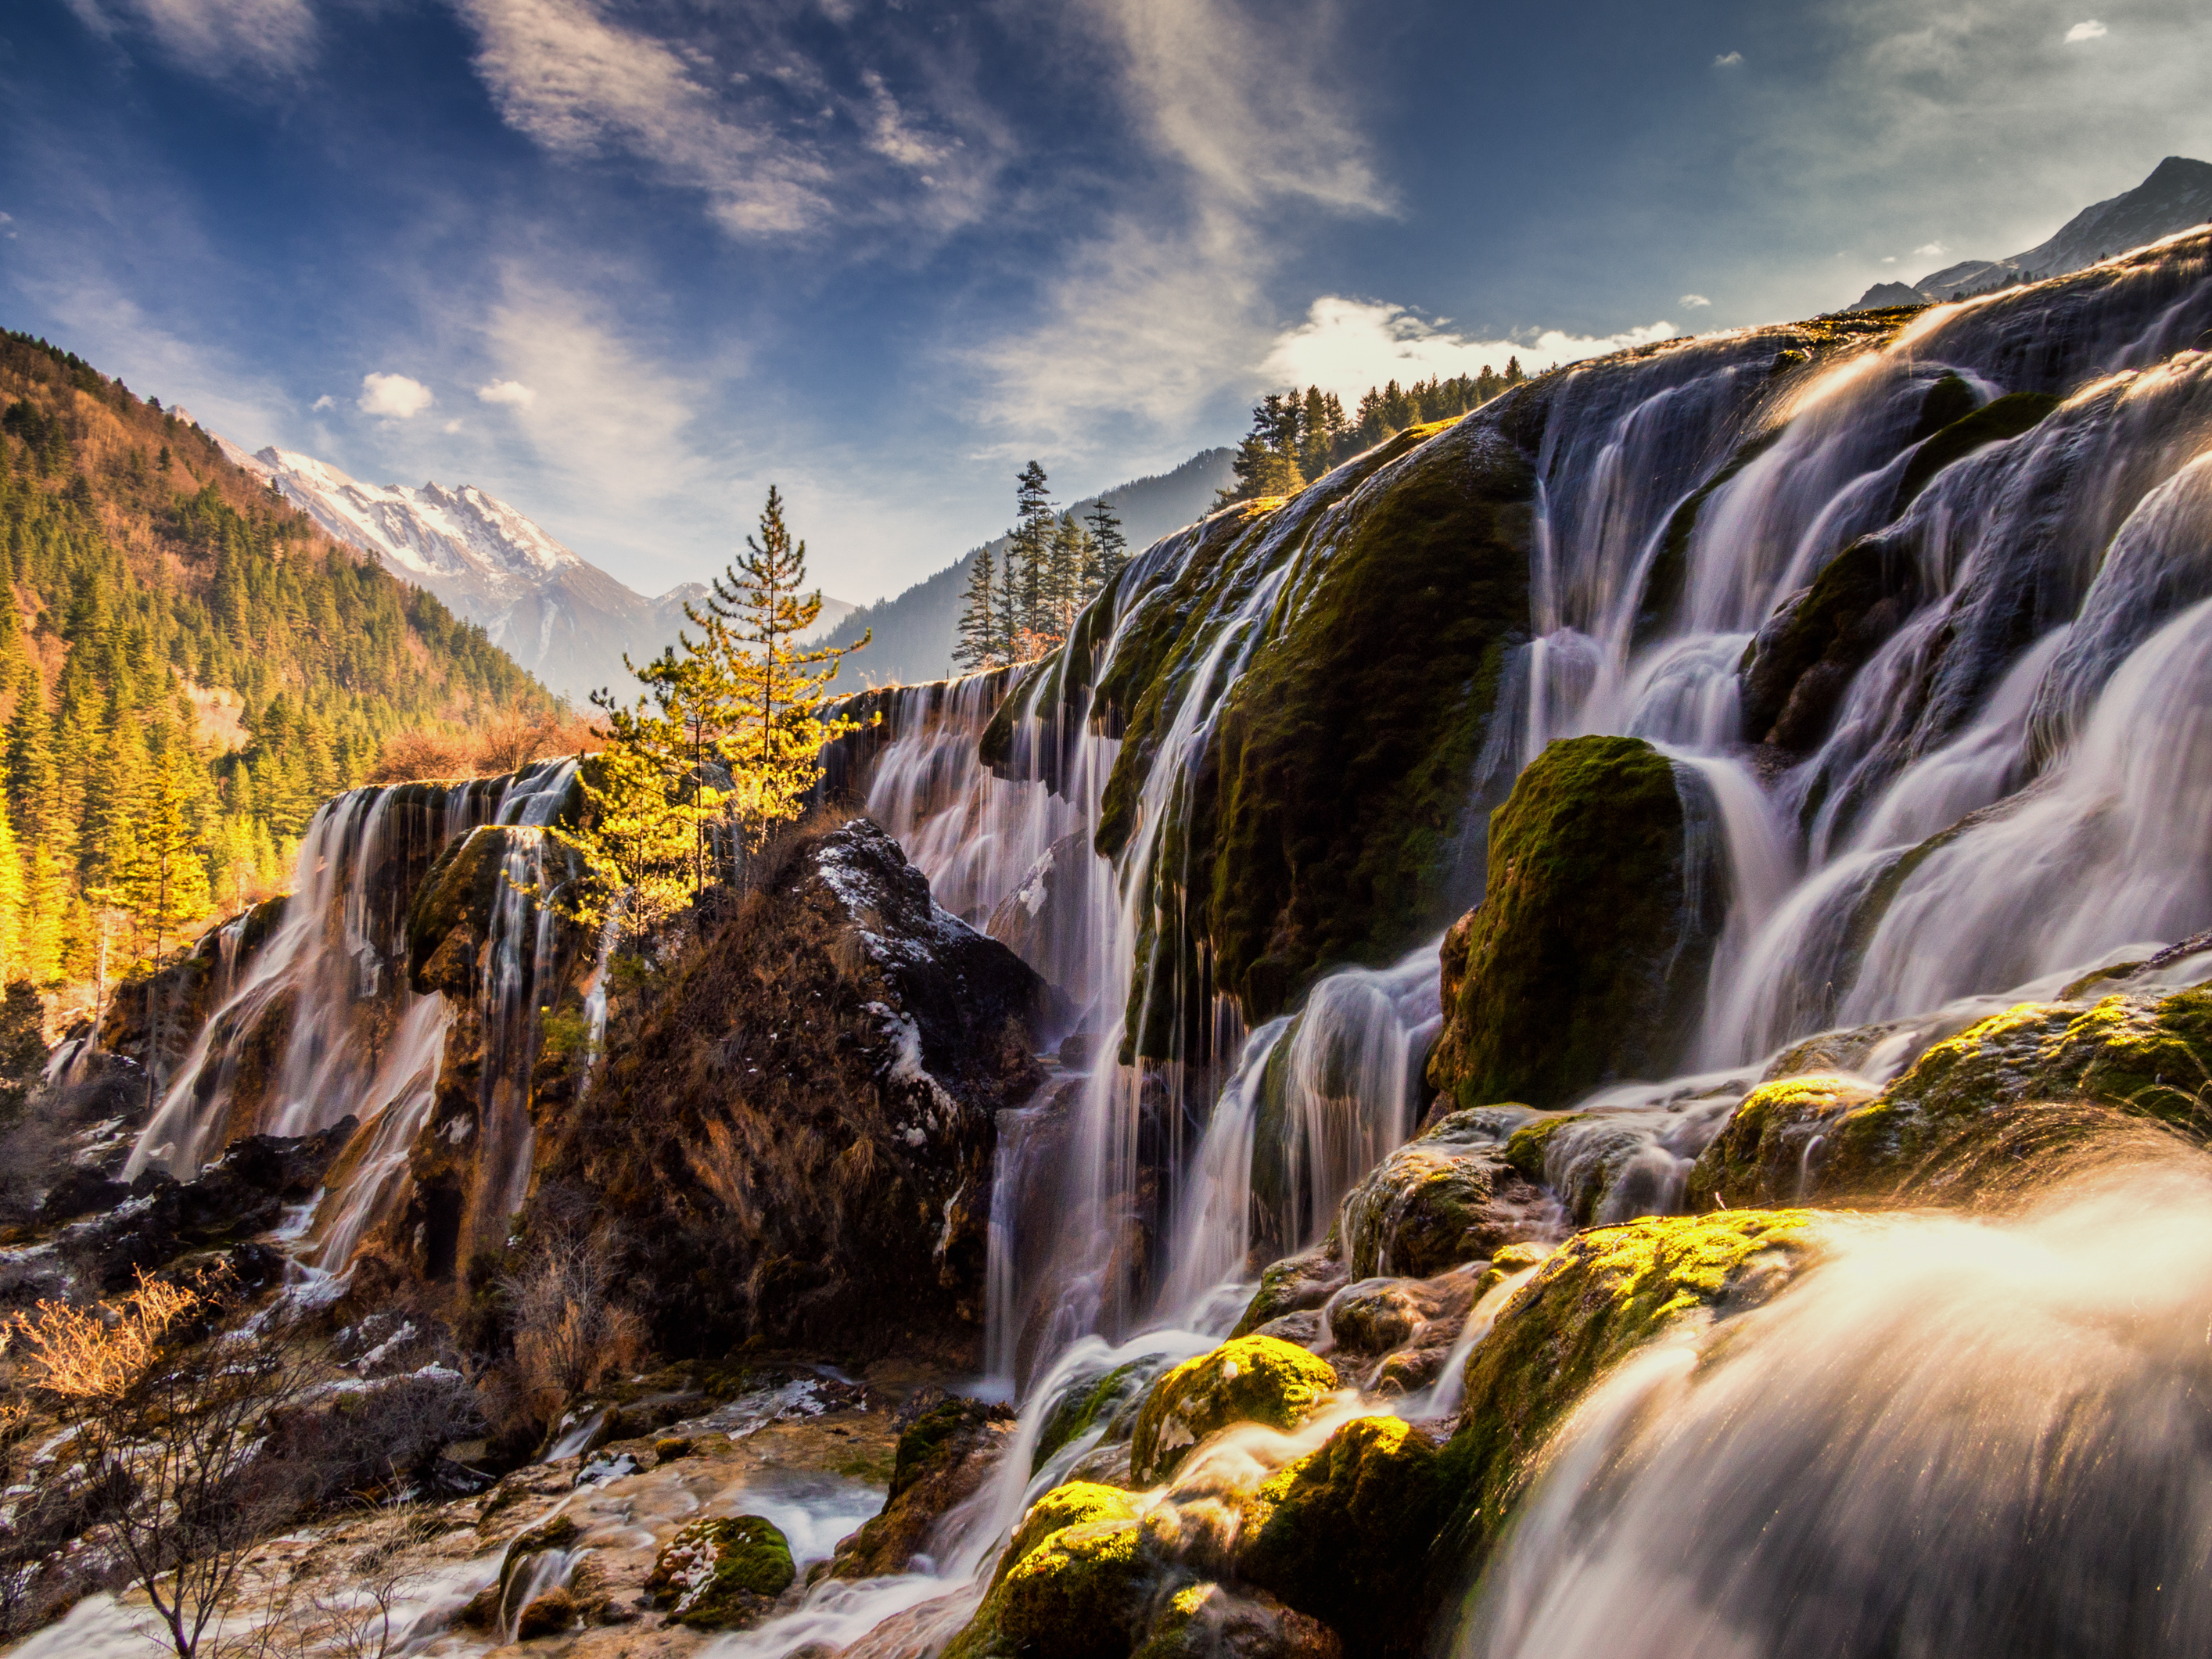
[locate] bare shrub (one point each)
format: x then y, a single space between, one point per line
408 756
569 1332
170 1428
517 735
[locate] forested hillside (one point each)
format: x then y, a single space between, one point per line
184 649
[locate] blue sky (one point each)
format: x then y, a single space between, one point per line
625 264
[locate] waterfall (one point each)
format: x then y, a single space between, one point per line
324 1022
1954 1436
2025 720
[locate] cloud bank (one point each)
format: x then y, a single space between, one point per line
1346 346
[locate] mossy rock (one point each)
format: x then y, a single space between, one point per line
1248 1379
1344 1532
1768 1151
1448 1197
550 1614
2135 1056
1294 1284
1207 1620
1797 668
1084 1406
1597 1300
1321 820
722 1572
1995 421
928 1437
1584 962
1077 1593
460 891
1077 1504
1339 762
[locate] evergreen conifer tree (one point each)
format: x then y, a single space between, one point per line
981 645
12 903
1109 549
775 744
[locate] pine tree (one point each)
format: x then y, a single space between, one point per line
1029 579
775 747
41 936
33 784
1109 549
1070 555
980 646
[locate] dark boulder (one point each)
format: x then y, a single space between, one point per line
241 1194
797 1130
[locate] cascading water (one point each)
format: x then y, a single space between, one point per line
324 1022
1955 1437
2006 784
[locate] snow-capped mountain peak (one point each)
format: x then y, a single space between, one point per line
543 602
431 532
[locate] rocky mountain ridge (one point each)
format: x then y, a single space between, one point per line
2176 196
563 617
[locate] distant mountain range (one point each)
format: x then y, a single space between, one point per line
915 632
561 617
2177 196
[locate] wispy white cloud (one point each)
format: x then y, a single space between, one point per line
506 391
1346 346
776 147
215 37
580 85
1695 301
1727 60
393 397
605 415
2090 30
1247 104
1165 309
1930 250
324 402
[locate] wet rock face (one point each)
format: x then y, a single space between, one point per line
157 1219
183 996
1585 958
1446 1198
1041 919
946 1451
796 1135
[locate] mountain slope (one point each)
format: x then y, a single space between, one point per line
2177 196
173 620
557 614
914 632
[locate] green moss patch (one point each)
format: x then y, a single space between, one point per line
1079 1593
1344 1532
2138 1057
1248 1379
1084 1407
1995 421
1597 1300
721 1572
1582 964
1765 1153
1077 1504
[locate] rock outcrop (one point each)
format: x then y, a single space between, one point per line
1585 958
795 1137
